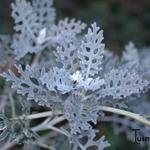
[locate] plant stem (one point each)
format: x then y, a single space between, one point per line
12 104
58 130
134 116
35 116
40 115
45 126
43 146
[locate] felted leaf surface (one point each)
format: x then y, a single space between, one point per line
29 84
57 79
79 113
91 51
122 83
45 12
90 143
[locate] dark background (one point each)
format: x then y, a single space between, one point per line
121 20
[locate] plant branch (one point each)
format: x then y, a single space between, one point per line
134 116
45 126
12 104
35 116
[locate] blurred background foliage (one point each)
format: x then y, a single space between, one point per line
121 20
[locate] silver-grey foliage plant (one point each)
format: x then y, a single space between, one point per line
70 73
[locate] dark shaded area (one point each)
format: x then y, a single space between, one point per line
121 20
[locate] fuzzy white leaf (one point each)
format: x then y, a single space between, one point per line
91 51
57 79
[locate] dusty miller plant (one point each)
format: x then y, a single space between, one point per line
73 79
